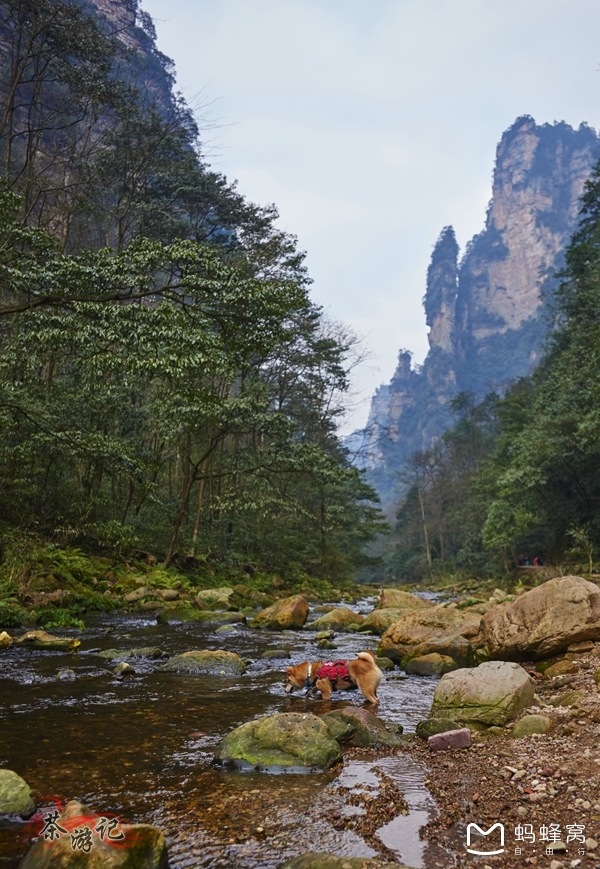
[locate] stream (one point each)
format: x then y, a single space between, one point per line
143 749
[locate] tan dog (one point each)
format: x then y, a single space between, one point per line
363 673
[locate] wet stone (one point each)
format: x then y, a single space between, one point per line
15 794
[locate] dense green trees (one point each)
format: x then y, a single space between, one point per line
519 476
164 375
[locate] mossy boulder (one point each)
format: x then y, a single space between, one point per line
288 739
182 612
214 663
151 652
5 640
338 619
369 730
143 847
431 726
561 668
385 664
398 599
431 665
321 860
46 641
287 614
491 694
530 724
380 620
15 794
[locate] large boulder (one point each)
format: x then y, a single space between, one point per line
394 597
142 846
288 739
287 614
420 626
44 640
15 794
337 619
369 731
213 663
543 621
488 695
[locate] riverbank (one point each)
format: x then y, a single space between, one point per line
527 784
49 586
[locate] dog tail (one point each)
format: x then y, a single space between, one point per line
367 656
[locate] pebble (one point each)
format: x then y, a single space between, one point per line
591 844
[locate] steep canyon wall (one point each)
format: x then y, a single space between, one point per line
485 312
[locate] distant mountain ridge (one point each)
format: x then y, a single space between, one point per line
485 312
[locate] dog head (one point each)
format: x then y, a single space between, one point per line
295 677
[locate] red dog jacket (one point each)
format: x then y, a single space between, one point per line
333 670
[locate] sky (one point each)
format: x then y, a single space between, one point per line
372 124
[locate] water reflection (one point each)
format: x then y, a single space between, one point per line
143 749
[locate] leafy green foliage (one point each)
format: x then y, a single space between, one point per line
166 382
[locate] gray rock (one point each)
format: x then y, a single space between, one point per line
66 675
275 654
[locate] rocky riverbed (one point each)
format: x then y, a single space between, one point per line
127 718
142 747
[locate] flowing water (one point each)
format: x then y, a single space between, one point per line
143 749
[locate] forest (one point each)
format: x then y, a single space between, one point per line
516 481
166 383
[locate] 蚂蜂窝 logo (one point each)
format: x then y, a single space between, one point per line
476 828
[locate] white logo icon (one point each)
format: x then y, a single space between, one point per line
475 827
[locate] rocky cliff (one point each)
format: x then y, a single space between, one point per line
485 312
